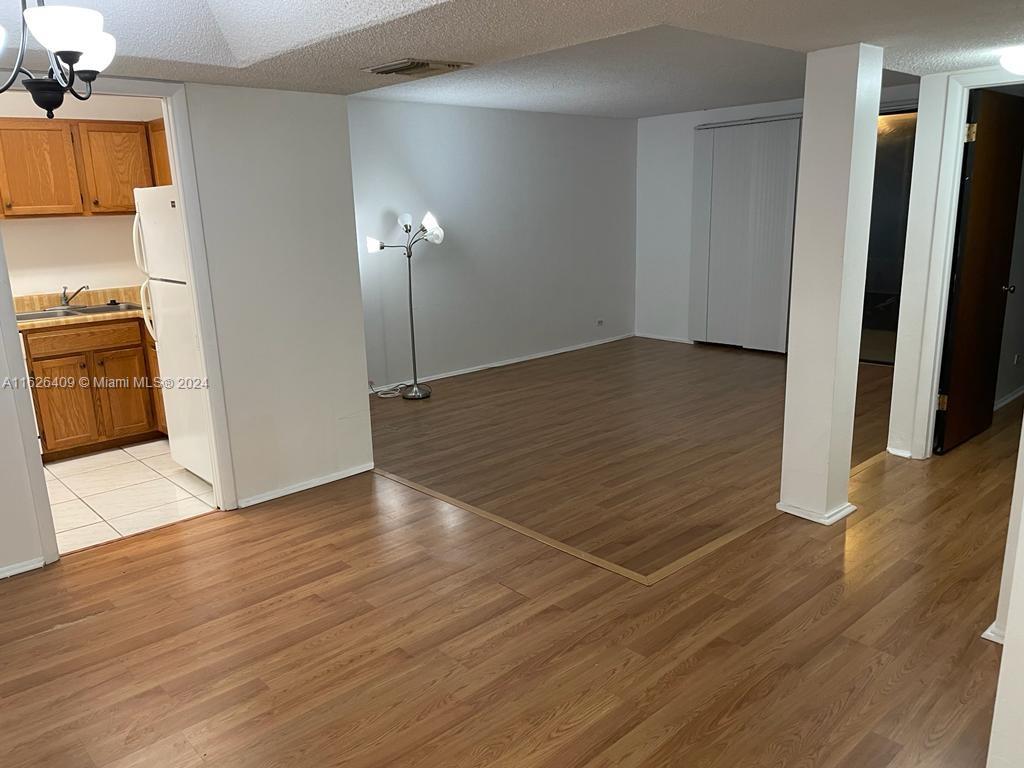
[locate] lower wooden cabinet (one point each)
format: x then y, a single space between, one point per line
123 396
66 409
159 417
93 384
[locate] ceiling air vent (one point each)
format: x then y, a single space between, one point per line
417 67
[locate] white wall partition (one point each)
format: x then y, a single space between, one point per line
744 199
275 182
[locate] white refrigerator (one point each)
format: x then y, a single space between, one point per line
168 310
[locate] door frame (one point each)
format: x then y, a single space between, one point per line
182 158
928 260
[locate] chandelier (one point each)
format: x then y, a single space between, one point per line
77 48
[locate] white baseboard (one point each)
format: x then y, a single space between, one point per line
995 633
827 518
903 454
1007 399
512 360
656 337
16 568
305 485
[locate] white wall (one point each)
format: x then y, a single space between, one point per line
99 107
1011 373
1007 744
664 197
538 211
24 508
275 187
47 253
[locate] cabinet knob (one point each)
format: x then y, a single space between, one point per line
7 204
82 366
95 201
102 363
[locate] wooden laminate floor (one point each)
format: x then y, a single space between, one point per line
365 624
639 455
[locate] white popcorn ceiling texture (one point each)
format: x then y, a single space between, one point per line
320 45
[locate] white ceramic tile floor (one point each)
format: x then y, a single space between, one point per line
108 495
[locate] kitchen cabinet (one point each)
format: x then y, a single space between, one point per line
67 413
115 160
78 167
95 389
158 153
38 170
124 402
159 416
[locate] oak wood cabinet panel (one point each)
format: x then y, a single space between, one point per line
158 153
115 160
159 415
124 402
38 171
83 338
114 404
67 413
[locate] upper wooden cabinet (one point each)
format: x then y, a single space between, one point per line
75 168
115 161
158 153
38 172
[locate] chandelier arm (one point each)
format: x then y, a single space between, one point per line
20 60
79 96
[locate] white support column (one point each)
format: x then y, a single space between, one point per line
830 246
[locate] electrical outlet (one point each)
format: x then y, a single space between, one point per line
600 322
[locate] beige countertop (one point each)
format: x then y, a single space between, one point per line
60 322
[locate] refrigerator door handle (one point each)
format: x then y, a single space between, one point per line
147 309
137 244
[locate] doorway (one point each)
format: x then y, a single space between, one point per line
170 101
982 366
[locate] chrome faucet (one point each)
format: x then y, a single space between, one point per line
65 300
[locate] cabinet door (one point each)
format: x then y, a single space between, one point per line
66 410
38 174
123 397
159 154
115 161
159 417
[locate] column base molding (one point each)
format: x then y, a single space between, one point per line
827 518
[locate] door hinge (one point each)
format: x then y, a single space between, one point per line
942 403
971 134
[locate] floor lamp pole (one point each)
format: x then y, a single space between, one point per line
416 391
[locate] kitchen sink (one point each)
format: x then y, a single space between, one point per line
46 314
100 309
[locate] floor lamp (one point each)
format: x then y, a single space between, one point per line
430 232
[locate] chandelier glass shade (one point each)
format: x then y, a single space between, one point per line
76 46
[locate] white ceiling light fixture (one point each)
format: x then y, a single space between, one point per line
1012 60
76 45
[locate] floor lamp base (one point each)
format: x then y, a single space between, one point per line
416 392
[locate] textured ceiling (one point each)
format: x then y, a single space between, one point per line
321 44
655 71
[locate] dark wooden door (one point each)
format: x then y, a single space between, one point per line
986 222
